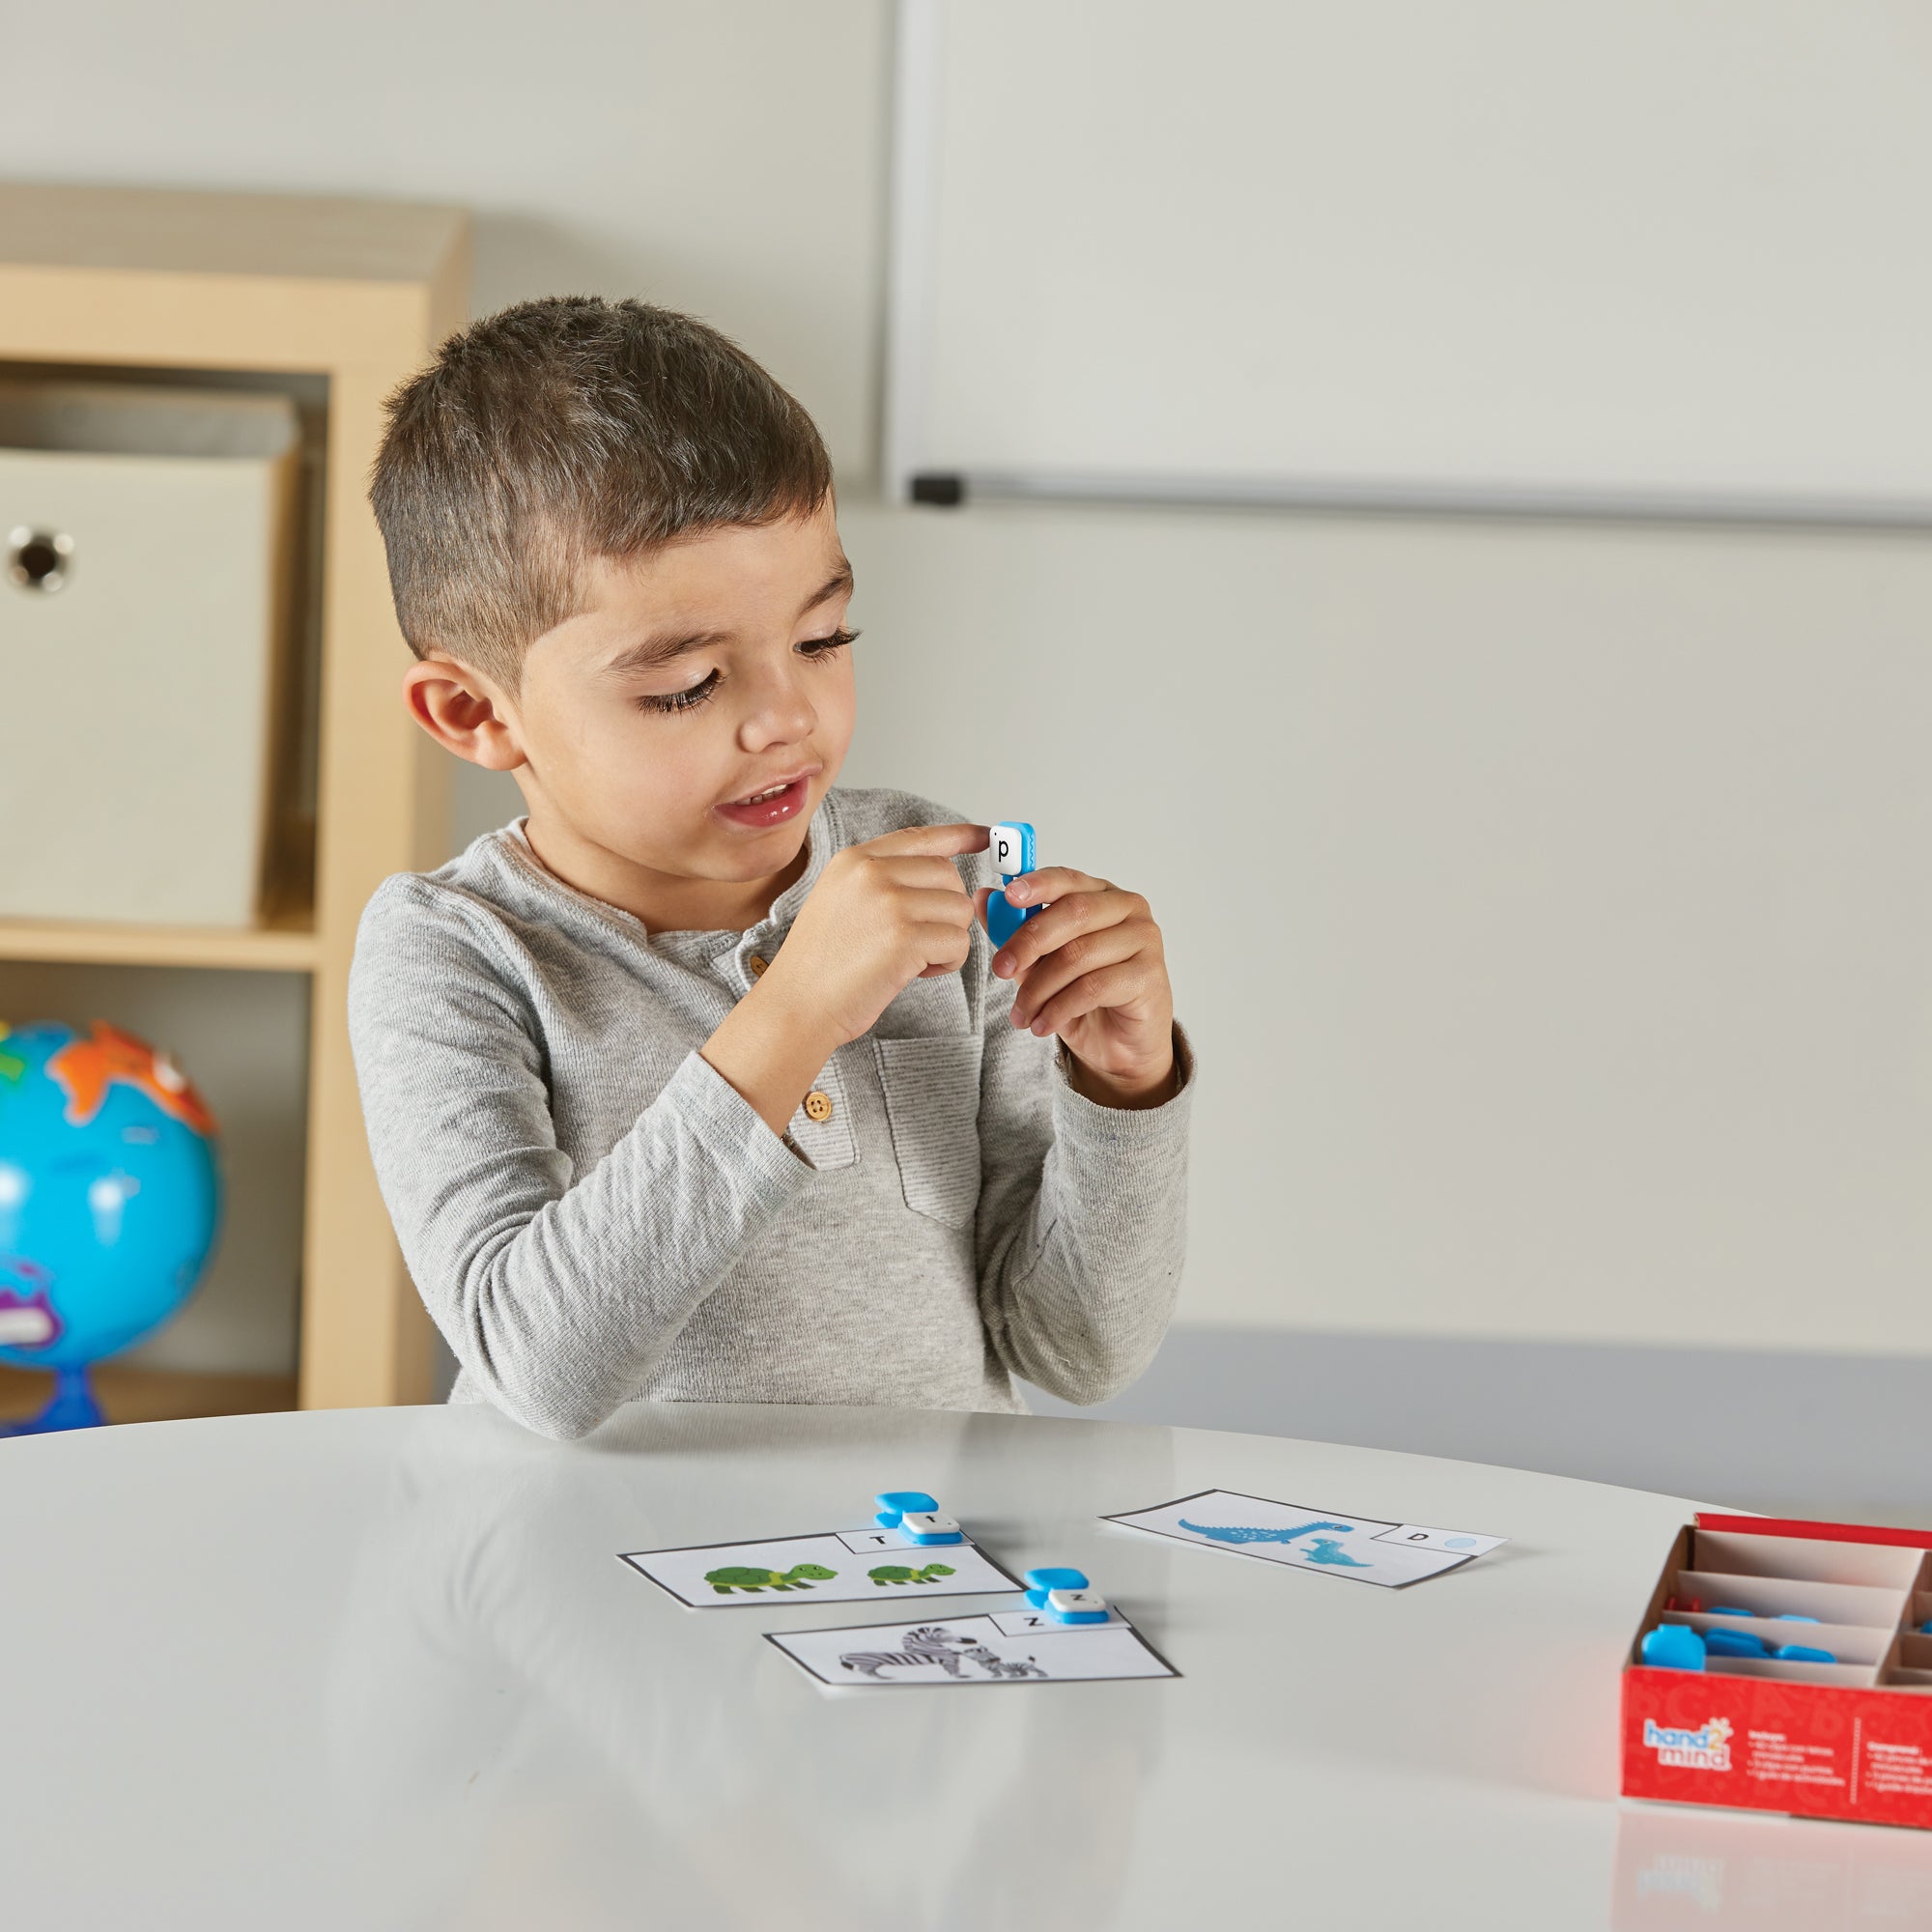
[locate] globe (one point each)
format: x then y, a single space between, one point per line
110 1199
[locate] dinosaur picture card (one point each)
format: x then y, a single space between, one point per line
945 1652
1328 1542
840 1566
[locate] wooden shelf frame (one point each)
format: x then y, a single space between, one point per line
359 293
271 949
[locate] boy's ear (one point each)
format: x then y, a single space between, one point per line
463 712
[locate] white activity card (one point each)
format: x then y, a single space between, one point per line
947 1652
839 1565
1328 1542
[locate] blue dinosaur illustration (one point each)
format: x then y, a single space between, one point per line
1325 1549
1246 1533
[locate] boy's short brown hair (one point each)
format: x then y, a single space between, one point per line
563 430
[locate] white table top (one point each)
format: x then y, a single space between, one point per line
381 1668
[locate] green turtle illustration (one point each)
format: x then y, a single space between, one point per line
898 1573
800 1576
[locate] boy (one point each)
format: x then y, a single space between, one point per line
699 1082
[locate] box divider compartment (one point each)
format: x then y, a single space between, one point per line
1879 1566
1845 1676
1910 1652
1860 1606
1849 1643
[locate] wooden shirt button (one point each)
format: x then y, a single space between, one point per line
817 1105
757 966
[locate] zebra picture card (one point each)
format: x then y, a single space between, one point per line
839 1565
947 1653
1328 1542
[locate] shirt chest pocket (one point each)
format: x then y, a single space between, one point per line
932 1102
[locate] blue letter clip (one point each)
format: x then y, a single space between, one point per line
916 1517
1012 848
1064 1595
1674 1647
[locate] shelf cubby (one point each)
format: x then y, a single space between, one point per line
339 299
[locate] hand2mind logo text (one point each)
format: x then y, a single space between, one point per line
1708 1749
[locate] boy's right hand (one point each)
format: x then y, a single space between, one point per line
882 915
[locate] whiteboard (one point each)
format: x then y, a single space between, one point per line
1659 255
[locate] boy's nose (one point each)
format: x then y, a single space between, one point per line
782 718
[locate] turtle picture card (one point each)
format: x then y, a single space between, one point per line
823 1568
1331 1543
948 1653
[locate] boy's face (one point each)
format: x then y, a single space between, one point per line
688 721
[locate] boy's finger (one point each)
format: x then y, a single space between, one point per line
933 905
914 870
936 841
946 948
1053 882
1065 920
1110 986
1059 969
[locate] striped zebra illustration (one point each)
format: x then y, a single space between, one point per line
999 1666
928 1644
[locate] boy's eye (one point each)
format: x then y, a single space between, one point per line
688 699
693 695
822 648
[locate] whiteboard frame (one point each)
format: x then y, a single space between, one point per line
918 52
918 82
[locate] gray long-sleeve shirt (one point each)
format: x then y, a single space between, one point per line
592 1213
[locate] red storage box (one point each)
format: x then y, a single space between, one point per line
1852 1739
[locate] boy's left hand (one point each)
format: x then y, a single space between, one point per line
1092 968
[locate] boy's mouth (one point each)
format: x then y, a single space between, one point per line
771 805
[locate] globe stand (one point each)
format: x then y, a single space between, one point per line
73 1407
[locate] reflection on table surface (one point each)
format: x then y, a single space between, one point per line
688 1769
1680 1866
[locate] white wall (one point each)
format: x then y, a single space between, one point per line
1551 903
